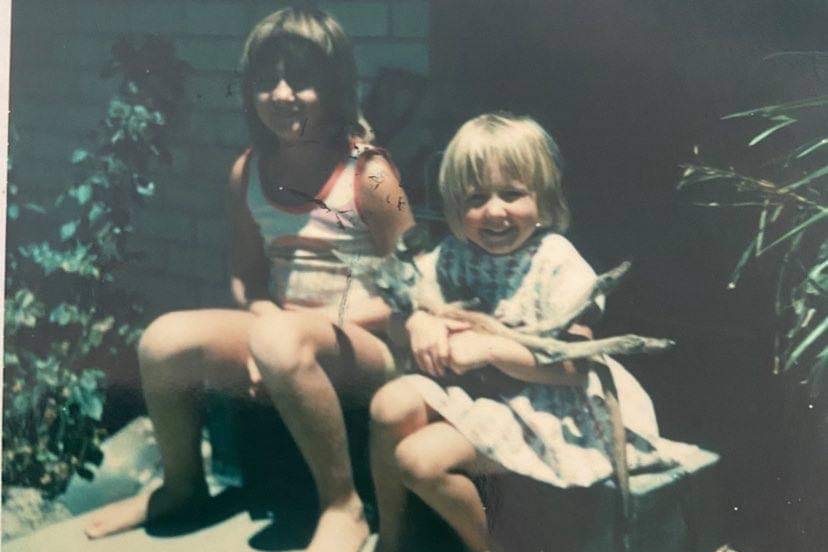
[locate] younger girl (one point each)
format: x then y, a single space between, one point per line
485 403
302 327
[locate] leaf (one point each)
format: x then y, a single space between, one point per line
68 230
64 314
89 381
82 193
769 110
799 228
813 146
807 342
807 179
144 187
817 373
13 211
783 121
79 156
743 260
95 212
763 220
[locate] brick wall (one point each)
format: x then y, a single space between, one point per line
58 49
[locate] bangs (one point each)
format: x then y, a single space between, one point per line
482 149
293 50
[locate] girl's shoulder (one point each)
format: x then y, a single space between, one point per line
556 249
373 165
239 172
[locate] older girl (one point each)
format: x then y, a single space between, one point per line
304 323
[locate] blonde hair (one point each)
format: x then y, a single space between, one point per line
520 148
314 36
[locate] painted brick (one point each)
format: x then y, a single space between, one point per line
50 147
409 19
213 232
217 128
211 53
216 294
360 19
215 91
83 51
31 46
196 196
37 15
191 261
371 57
162 293
132 16
166 225
154 253
216 17
45 116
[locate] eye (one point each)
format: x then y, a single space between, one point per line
476 200
264 82
512 195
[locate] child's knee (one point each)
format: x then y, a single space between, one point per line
416 466
281 344
164 339
393 405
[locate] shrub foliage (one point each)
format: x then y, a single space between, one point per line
66 319
789 193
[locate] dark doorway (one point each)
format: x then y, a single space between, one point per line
629 89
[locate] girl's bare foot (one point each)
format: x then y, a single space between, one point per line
341 528
133 512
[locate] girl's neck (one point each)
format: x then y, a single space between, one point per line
305 166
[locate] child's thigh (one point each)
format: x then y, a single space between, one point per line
208 344
356 361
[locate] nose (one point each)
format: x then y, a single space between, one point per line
495 208
283 92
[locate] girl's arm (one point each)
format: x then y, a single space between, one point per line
384 207
248 267
471 350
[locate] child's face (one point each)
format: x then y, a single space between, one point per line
287 102
502 217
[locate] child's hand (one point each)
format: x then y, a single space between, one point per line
429 338
469 350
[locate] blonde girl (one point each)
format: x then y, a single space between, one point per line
485 403
304 324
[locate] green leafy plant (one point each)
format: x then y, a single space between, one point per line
66 319
789 196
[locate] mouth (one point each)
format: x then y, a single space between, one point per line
501 235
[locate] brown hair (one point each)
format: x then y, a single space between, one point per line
308 35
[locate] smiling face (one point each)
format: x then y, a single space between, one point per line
287 101
501 216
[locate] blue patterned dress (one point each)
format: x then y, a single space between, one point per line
556 434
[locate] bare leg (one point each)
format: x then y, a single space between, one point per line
397 410
177 353
428 461
290 349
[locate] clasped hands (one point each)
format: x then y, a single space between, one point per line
440 345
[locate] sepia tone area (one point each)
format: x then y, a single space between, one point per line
632 92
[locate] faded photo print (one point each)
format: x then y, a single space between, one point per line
415 276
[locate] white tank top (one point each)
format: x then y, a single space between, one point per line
298 241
